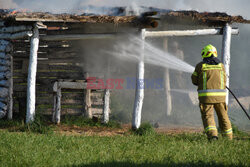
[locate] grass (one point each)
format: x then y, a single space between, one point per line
38 126
29 149
35 145
42 125
144 129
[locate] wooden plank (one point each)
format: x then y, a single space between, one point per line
50 60
52 50
70 85
103 28
97 111
59 75
6 48
4 69
45 53
77 37
61 67
64 111
68 111
73 95
51 67
97 102
16 35
65 60
5 83
15 29
26 46
26 43
5 75
19 94
97 106
39 81
4 62
4 55
22 55
21 88
49 100
95 94
4 92
4 43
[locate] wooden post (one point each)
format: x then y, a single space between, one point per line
226 44
167 84
106 106
31 85
88 111
57 95
139 92
58 104
87 102
54 107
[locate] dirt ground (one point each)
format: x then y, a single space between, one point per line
125 129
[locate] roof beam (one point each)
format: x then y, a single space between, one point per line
71 37
215 31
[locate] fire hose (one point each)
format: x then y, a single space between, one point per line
239 103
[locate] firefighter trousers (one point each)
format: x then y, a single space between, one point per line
207 115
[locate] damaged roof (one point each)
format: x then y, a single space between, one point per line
119 16
209 18
49 17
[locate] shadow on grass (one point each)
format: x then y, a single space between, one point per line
169 163
81 121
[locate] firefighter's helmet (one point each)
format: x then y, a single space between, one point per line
208 51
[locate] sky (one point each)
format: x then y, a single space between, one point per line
233 7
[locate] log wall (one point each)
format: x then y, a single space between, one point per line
57 61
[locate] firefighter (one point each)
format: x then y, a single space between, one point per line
210 77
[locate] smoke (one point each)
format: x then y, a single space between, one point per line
7 4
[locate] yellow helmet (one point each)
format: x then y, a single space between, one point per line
208 51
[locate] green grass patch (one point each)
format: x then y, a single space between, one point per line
28 149
39 125
145 129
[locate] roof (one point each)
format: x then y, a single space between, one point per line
119 16
209 18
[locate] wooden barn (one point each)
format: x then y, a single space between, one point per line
41 70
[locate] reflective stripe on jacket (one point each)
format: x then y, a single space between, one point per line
211 82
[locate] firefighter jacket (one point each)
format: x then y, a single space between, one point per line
211 82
